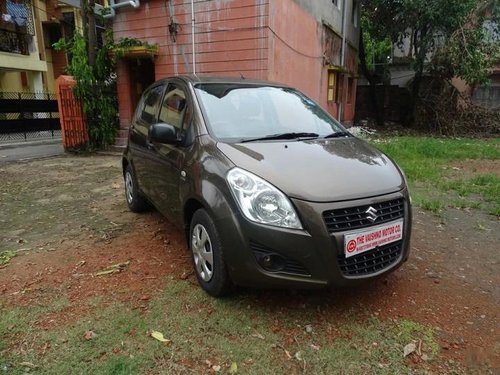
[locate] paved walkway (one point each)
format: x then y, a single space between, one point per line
10 152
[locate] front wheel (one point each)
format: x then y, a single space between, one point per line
208 260
135 201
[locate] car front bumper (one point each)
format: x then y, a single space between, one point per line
309 258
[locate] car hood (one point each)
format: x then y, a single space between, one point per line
322 170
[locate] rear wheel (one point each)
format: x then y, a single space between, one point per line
135 201
208 260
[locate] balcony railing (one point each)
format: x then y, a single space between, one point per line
14 42
16 26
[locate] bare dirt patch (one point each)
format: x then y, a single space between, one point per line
472 168
450 283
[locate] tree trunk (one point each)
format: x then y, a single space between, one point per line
420 54
84 7
379 118
91 32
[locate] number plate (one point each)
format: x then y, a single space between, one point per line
363 240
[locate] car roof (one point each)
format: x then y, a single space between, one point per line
201 79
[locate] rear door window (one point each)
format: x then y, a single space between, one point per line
149 107
174 107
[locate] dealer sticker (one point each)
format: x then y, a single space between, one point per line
370 238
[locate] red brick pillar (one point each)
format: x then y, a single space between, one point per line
126 112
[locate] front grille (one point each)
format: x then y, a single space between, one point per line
371 261
289 265
356 217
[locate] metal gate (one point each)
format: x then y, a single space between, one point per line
74 130
26 116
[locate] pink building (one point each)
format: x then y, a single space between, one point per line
311 45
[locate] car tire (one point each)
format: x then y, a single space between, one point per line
208 259
135 201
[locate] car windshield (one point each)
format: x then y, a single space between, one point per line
246 113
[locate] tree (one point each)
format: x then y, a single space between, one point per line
373 51
473 48
433 28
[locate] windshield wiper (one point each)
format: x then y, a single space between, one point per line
282 136
338 134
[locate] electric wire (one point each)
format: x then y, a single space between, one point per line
209 29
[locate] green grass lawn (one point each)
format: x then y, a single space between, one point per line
205 332
435 183
245 333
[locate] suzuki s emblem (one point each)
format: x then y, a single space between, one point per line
371 214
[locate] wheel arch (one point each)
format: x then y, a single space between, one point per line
211 199
125 164
190 207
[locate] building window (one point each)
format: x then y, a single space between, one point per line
355 13
51 33
335 86
332 86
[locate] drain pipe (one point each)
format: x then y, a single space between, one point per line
133 3
113 5
342 56
192 37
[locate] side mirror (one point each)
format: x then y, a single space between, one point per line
163 133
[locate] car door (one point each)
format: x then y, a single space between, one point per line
176 110
140 147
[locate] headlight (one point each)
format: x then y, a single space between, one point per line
406 183
260 201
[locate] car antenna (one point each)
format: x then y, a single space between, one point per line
242 76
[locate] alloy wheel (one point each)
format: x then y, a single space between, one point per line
202 252
129 187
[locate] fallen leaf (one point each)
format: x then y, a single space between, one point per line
234 368
89 335
185 275
315 347
419 348
115 268
28 364
408 349
216 368
258 336
159 336
286 351
298 356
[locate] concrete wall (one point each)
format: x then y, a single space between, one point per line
10 81
295 40
278 40
229 39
